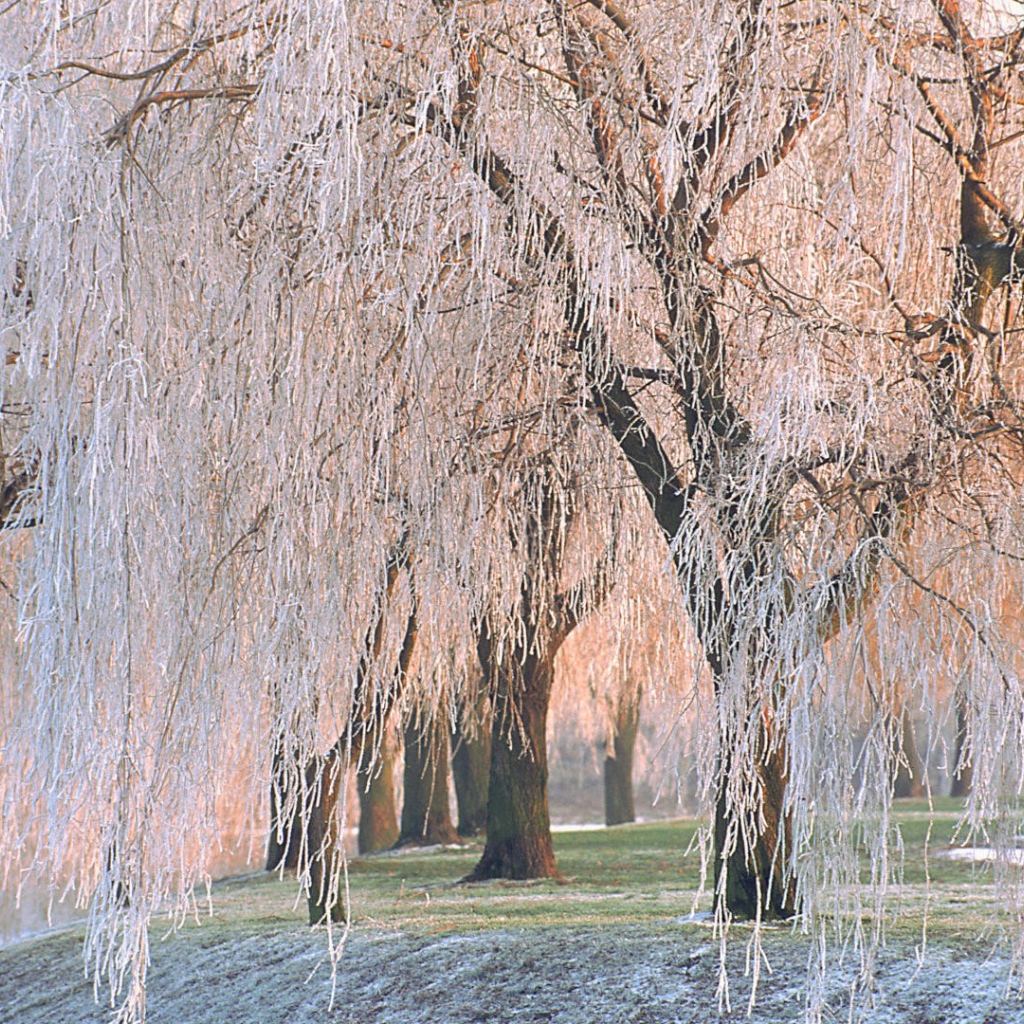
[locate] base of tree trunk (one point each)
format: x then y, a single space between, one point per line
758 883
324 851
618 790
522 858
519 844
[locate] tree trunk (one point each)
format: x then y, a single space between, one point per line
909 781
378 813
426 808
963 769
753 845
324 851
285 819
471 762
618 766
518 823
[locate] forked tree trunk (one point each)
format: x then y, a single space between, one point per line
426 807
471 763
378 811
963 768
618 765
518 823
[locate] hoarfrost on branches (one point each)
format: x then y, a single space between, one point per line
284 283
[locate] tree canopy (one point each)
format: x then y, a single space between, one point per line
287 284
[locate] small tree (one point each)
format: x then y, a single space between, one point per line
518 662
618 761
375 783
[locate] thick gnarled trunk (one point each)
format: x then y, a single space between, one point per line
519 841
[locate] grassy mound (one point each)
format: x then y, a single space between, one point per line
614 941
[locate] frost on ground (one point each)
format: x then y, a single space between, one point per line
275 970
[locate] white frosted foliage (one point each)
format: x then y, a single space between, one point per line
288 287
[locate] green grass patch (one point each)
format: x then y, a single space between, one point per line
647 873
652 872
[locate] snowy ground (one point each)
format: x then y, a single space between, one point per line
614 941
275 970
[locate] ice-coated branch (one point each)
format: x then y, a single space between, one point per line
850 589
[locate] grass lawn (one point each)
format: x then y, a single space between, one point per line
613 939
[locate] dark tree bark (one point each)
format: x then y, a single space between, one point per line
323 850
519 843
378 809
618 765
471 761
518 673
426 807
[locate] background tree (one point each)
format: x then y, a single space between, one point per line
378 809
517 650
471 760
426 808
619 758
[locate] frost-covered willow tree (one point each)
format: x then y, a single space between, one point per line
276 278
739 205
227 424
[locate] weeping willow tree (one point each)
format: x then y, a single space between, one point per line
517 645
638 205
281 280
